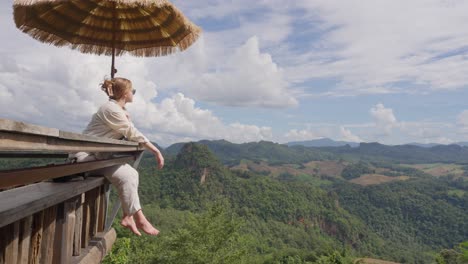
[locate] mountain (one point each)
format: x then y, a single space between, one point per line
423 145
231 153
273 153
298 217
322 142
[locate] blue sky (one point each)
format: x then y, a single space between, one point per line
359 70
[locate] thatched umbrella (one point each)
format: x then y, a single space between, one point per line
110 27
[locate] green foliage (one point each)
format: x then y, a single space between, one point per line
273 153
211 237
458 255
120 252
290 219
412 216
334 258
355 170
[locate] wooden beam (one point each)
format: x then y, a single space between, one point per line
25 142
48 235
36 238
85 138
78 226
100 246
68 226
102 208
14 205
86 220
12 238
25 239
14 178
3 231
16 127
27 155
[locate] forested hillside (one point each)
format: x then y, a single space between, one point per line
210 213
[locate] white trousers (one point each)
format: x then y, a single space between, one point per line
123 177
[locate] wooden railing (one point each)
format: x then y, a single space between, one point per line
56 222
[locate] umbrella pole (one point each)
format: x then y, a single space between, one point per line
114 18
113 70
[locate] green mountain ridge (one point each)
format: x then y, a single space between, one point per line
292 220
231 153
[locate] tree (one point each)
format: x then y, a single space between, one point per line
211 237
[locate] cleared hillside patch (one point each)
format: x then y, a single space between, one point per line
372 179
438 169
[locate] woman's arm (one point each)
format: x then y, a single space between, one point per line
156 153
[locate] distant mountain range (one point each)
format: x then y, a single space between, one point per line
327 142
430 145
322 142
274 153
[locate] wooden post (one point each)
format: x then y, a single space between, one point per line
102 208
2 246
11 248
48 235
25 239
68 229
58 234
78 226
36 238
65 227
86 221
95 210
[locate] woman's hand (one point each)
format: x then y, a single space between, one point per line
156 152
160 160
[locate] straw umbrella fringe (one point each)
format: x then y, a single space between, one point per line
141 28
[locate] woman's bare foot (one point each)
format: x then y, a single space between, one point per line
143 224
128 222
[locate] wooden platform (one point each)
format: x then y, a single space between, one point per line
46 222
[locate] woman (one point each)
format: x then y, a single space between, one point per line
113 121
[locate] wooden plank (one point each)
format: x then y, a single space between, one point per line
86 138
25 128
3 231
59 222
86 221
14 205
78 226
20 127
48 235
99 248
13 178
36 238
44 155
102 208
11 247
94 212
24 142
68 228
25 239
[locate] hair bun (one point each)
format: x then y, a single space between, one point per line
106 86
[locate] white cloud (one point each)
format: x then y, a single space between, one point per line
245 78
417 45
180 119
347 135
62 90
300 135
384 118
462 119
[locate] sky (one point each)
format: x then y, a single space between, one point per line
388 71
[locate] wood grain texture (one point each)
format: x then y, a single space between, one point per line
14 205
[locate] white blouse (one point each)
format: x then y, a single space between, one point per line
112 121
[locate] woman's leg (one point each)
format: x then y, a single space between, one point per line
125 179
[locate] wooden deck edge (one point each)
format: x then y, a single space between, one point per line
99 247
27 200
